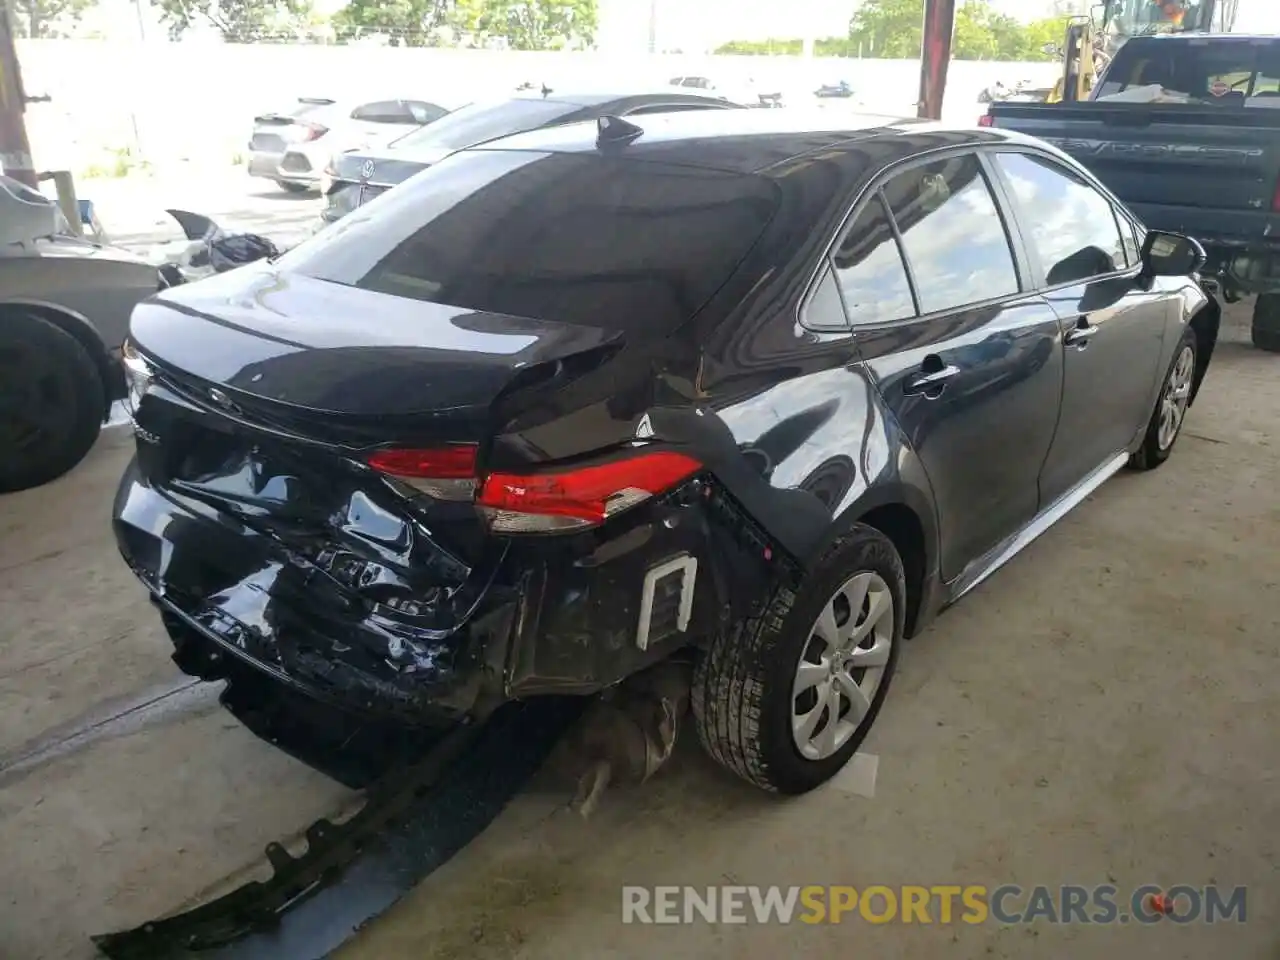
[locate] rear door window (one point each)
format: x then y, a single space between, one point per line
1071 226
869 269
952 233
578 238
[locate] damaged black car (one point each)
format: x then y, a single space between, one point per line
769 388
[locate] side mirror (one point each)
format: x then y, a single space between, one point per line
1171 255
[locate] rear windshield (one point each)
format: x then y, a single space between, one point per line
1220 72
479 122
578 238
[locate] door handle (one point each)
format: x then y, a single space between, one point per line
1078 336
932 381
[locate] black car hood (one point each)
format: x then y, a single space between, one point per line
288 338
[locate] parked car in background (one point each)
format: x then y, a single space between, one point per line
64 310
747 93
292 147
358 176
739 384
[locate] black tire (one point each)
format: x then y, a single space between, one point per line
1266 322
1152 453
296 187
68 402
742 688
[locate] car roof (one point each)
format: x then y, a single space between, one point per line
739 141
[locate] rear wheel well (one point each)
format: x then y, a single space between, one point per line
1204 325
900 524
111 373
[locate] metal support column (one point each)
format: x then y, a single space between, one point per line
15 151
935 56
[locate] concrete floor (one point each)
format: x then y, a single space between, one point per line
1103 710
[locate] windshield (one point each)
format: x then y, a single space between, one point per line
574 238
1221 72
478 122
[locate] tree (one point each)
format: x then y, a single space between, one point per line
239 21
529 24
893 29
411 23
46 18
888 28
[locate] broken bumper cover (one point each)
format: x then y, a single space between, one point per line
245 595
569 618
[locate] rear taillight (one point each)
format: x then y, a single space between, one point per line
310 131
544 502
446 473
986 120
1275 198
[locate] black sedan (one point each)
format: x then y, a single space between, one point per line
357 177
742 384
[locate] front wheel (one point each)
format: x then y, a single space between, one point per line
785 700
1165 425
52 402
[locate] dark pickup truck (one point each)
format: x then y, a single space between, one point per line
1203 159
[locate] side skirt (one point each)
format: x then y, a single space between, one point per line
1006 550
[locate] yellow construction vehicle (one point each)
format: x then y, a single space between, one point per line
1091 41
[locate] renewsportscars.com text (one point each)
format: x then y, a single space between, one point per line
941 904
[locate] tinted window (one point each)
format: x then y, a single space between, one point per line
424 113
383 111
824 310
580 238
952 233
1226 72
478 122
870 271
1071 226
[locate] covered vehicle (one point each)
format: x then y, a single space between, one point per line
358 176
768 387
291 147
64 310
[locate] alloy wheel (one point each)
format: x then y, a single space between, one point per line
1176 395
842 666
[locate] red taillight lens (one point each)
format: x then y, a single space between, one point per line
447 473
1275 198
313 131
565 500
986 120
548 502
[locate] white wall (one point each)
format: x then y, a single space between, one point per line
196 101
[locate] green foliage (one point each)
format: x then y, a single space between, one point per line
892 29
46 18
521 24
239 21
528 24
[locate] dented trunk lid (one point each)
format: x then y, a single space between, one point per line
296 345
